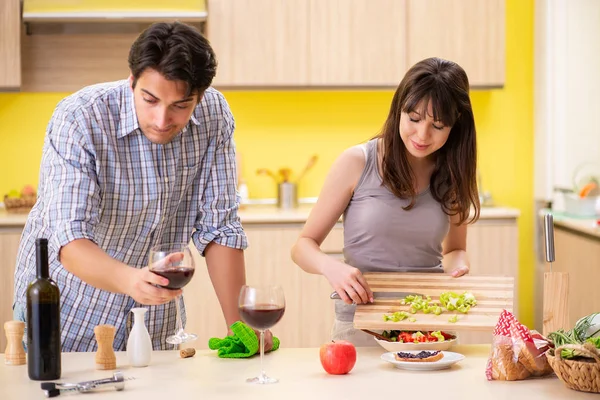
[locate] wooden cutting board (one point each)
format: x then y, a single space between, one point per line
493 294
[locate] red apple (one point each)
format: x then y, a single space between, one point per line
338 358
28 190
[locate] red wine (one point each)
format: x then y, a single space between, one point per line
43 321
178 276
261 316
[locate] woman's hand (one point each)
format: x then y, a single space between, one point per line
460 271
349 283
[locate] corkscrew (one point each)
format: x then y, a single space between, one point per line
52 389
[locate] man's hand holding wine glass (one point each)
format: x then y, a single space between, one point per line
147 288
173 267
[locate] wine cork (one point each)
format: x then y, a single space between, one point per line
14 353
186 353
105 355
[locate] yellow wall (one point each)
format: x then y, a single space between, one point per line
283 129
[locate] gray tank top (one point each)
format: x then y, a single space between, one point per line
380 236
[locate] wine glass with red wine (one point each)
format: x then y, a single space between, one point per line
261 307
174 261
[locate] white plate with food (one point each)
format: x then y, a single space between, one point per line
416 340
422 360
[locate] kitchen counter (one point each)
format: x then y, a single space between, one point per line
300 376
264 214
587 227
12 220
270 214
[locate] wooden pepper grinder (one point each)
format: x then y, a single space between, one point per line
105 356
15 353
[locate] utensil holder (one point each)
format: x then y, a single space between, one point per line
287 197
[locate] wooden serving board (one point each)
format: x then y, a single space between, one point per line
493 294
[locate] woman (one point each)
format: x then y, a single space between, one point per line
406 195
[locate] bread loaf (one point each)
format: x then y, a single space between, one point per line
505 365
517 353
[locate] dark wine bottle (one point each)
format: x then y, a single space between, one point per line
43 321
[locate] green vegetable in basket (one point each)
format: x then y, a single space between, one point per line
562 337
586 329
595 341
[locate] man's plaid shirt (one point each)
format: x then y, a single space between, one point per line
102 180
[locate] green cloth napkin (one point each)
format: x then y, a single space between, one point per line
242 344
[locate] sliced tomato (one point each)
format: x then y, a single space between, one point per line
431 338
412 337
407 337
447 336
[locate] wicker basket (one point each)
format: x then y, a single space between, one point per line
21 205
581 374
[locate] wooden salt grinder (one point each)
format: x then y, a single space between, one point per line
105 355
14 354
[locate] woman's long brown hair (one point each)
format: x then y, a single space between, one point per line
453 182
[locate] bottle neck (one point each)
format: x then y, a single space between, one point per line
41 249
138 315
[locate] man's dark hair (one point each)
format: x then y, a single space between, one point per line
177 51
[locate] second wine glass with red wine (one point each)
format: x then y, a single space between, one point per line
261 307
174 261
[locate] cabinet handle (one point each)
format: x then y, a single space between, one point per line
549 238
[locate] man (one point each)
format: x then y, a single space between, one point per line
127 165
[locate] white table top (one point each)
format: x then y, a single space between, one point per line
205 376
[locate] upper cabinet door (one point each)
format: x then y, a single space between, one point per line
10 44
469 32
259 42
357 42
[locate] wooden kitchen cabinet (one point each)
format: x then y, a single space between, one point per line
493 250
270 44
10 44
578 254
492 245
259 42
9 245
358 42
469 32
353 43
